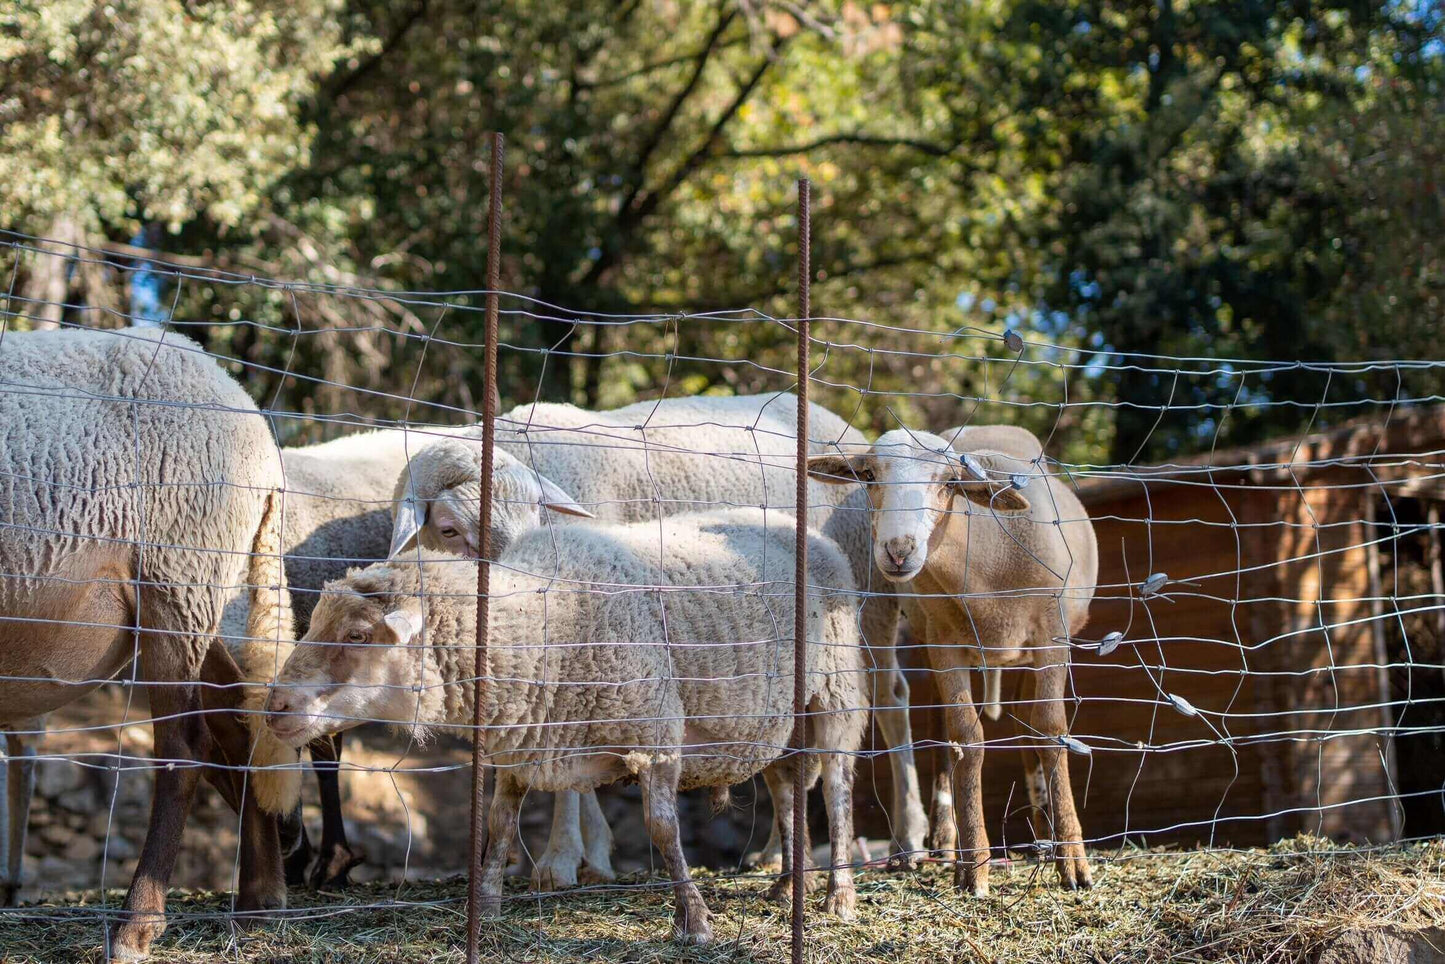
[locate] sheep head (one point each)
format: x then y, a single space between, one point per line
363 659
437 500
913 480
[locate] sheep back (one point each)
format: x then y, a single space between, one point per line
594 669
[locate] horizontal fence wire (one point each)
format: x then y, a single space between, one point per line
1217 644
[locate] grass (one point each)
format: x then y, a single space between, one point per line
1280 904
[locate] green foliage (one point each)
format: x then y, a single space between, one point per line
1113 179
156 110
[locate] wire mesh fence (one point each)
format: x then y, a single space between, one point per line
1019 654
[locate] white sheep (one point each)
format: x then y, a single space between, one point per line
336 513
643 462
138 482
1002 561
660 651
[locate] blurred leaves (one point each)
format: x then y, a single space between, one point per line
1113 180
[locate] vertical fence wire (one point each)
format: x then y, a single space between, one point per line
484 568
800 586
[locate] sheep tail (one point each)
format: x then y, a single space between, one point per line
719 800
992 691
270 638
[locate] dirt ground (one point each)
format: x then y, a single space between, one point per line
1303 900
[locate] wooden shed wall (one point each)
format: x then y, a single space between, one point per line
1242 641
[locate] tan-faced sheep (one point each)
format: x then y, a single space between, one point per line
337 515
651 460
660 651
1003 560
137 483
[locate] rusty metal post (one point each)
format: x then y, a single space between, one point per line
800 587
484 567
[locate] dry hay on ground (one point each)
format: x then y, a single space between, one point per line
1277 905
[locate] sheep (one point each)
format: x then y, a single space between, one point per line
1001 575
656 459
604 667
137 482
337 514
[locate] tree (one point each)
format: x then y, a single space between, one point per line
149 111
1192 217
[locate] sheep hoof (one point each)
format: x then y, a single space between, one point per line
333 871
1070 881
903 862
9 894
842 902
550 875
131 940
969 881
295 868
782 889
764 862
490 905
1074 871
591 874
691 928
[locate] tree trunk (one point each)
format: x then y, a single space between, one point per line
47 282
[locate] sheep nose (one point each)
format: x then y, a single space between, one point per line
280 703
899 550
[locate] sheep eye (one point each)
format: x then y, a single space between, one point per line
864 475
356 636
449 533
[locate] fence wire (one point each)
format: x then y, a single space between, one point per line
1225 649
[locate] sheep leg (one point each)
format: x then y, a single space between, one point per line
180 736
558 865
890 710
19 788
659 807
966 730
336 858
769 860
501 828
944 842
296 849
837 735
1038 787
262 882
596 843
1049 719
779 778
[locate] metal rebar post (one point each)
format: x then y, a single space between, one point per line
484 569
800 587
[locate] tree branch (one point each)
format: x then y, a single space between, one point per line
867 140
704 150
655 66
340 85
638 174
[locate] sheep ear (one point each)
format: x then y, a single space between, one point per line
555 498
971 476
410 518
999 496
404 624
839 469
